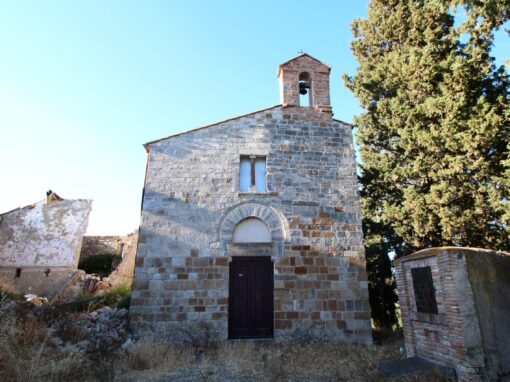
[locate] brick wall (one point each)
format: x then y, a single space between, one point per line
455 336
288 75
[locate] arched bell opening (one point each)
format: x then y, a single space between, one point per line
305 89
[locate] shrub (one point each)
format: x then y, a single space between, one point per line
116 295
125 303
97 264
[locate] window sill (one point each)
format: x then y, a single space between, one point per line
257 193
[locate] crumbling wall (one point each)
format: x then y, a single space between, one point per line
40 244
99 245
123 273
44 235
122 246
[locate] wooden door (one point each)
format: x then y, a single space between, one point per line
251 297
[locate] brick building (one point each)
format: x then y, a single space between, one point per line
455 309
251 227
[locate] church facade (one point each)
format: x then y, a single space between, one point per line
251 227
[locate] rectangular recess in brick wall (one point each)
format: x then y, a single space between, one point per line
424 290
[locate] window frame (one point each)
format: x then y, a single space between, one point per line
253 173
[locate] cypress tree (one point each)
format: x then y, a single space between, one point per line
434 132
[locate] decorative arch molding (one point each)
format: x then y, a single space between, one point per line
274 219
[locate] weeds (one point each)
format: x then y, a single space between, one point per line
119 297
125 302
200 336
68 331
27 354
7 291
152 354
117 294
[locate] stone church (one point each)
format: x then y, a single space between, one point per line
251 227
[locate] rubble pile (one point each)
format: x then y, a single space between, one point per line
98 331
102 330
95 285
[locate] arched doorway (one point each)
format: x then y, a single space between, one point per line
252 235
251 281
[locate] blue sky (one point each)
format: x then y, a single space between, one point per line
83 84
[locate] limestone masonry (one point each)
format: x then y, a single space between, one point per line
299 218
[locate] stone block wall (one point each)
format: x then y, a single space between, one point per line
472 290
192 202
318 296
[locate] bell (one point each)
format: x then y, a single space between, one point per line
303 86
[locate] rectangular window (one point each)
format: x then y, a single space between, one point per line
252 174
424 292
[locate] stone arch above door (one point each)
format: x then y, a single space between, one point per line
274 220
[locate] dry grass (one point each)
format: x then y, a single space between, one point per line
7 289
152 354
27 354
252 361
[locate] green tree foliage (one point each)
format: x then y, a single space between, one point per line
379 240
435 129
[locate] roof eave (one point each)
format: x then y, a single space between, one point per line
147 145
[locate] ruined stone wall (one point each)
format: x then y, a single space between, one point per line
99 245
40 244
122 246
459 333
44 235
123 273
192 184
